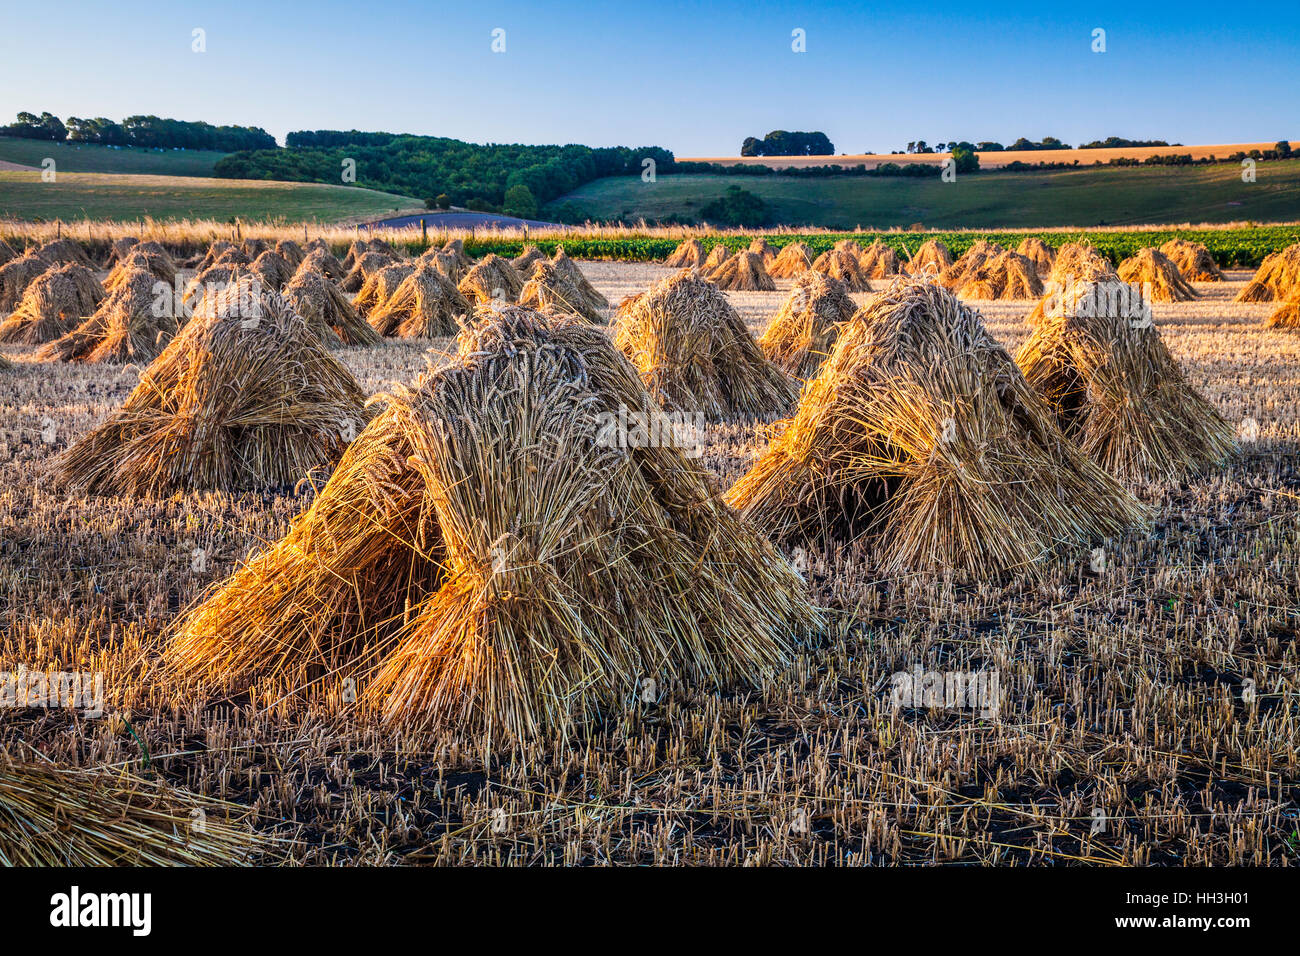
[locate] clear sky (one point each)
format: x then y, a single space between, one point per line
696 79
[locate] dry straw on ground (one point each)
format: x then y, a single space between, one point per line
1194 261
54 304
1099 362
695 355
743 272
552 291
803 332
327 311
489 556
688 254
920 435
1276 279
843 265
879 261
132 324
424 306
1157 275
244 398
1008 275
932 258
492 280
363 267
794 259
1039 253
63 816
380 287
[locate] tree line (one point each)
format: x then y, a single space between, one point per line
147 132
442 171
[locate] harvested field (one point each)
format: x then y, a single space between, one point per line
1157 681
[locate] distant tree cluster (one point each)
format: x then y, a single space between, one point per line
1117 142
444 171
736 207
151 132
782 142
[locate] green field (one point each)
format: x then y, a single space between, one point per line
1083 197
89 158
124 198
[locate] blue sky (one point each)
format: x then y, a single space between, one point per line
696 79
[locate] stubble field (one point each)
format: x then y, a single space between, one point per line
1148 711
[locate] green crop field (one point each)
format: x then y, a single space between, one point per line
122 198
90 158
1082 197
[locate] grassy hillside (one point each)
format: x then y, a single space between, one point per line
126 197
1083 197
91 158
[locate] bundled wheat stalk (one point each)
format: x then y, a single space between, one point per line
716 257
380 287
253 247
793 260
272 269
879 261
1157 275
456 249
1286 317
291 252
65 252
802 333
932 259
1277 278
743 272
54 304
569 268
63 817
843 265
980 254
1008 275
761 247
1039 253
131 325
1100 363
851 246
322 261
244 398
492 280
490 556
1193 260
327 311
7 252
216 250
552 291
424 306
688 254
366 265
1078 262
525 261
445 262
695 355
16 275
149 256
921 437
